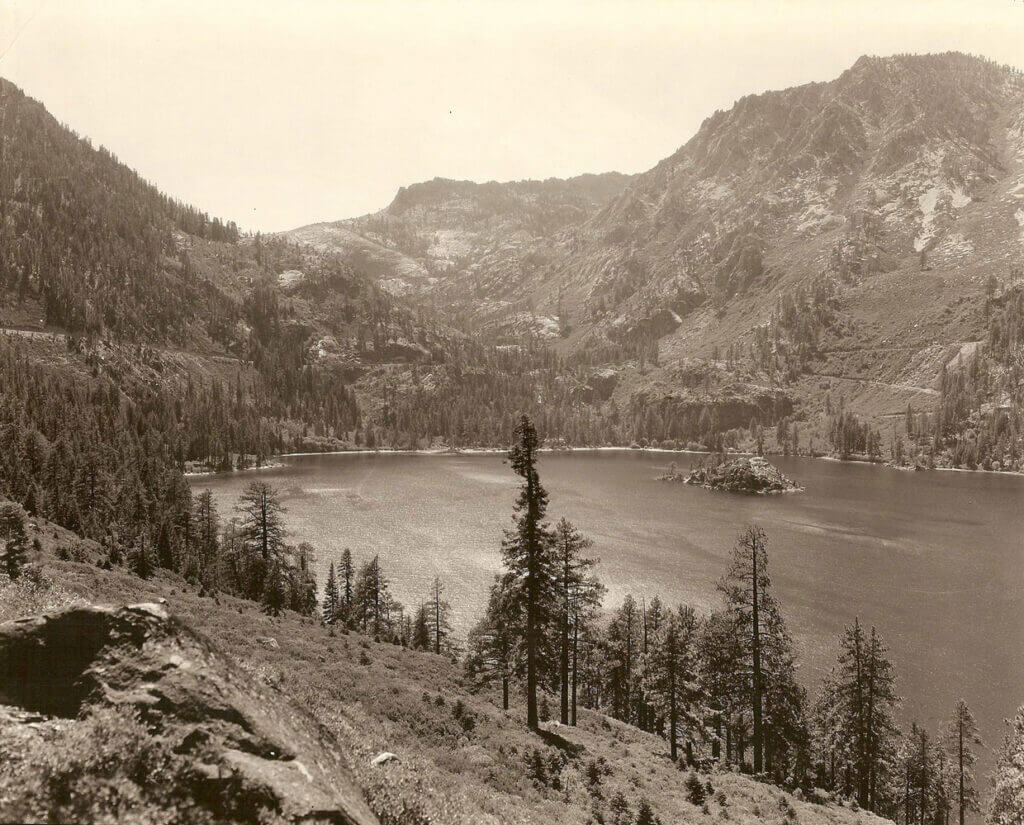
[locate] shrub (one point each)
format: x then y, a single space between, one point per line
536 768
695 792
619 808
645 814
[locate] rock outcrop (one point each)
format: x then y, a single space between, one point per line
740 475
58 666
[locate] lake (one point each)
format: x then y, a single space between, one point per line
935 560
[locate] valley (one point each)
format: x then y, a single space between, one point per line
273 436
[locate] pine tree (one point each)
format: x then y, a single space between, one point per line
961 739
623 640
674 689
142 559
300 579
745 587
865 699
274 593
491 643
440 625
1007 806
263 533
578 593
205 525
329 609
164 550
774 699
13 538
723 679
645 814
346 583
531 564
421 628
372 600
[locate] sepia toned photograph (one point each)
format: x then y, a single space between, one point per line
512 412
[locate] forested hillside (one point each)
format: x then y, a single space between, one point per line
140 338
86 238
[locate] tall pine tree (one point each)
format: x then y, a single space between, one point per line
528 551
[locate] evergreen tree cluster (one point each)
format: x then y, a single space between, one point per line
360 599
727 680
789 341
719 688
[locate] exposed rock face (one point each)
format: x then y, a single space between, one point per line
742 475
139 658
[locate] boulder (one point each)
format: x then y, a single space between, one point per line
57 666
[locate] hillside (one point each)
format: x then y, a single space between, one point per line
460 758
878 212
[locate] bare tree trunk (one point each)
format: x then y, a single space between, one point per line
575 660
758 723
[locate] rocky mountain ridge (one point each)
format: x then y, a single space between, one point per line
441 237
900 182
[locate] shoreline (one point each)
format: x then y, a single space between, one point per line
274 463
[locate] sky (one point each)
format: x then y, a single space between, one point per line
279 113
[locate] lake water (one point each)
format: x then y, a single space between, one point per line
934 560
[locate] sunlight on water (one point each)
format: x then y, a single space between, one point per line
935 560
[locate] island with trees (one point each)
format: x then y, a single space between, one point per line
734 474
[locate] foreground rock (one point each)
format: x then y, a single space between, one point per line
240 753
740 475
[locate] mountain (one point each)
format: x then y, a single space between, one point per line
442 237
843 239
809 255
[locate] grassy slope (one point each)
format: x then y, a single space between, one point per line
379 697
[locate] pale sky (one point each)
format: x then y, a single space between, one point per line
278 113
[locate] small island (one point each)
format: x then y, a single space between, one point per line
741 474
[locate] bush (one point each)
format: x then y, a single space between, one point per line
645 814
695 791
463 716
